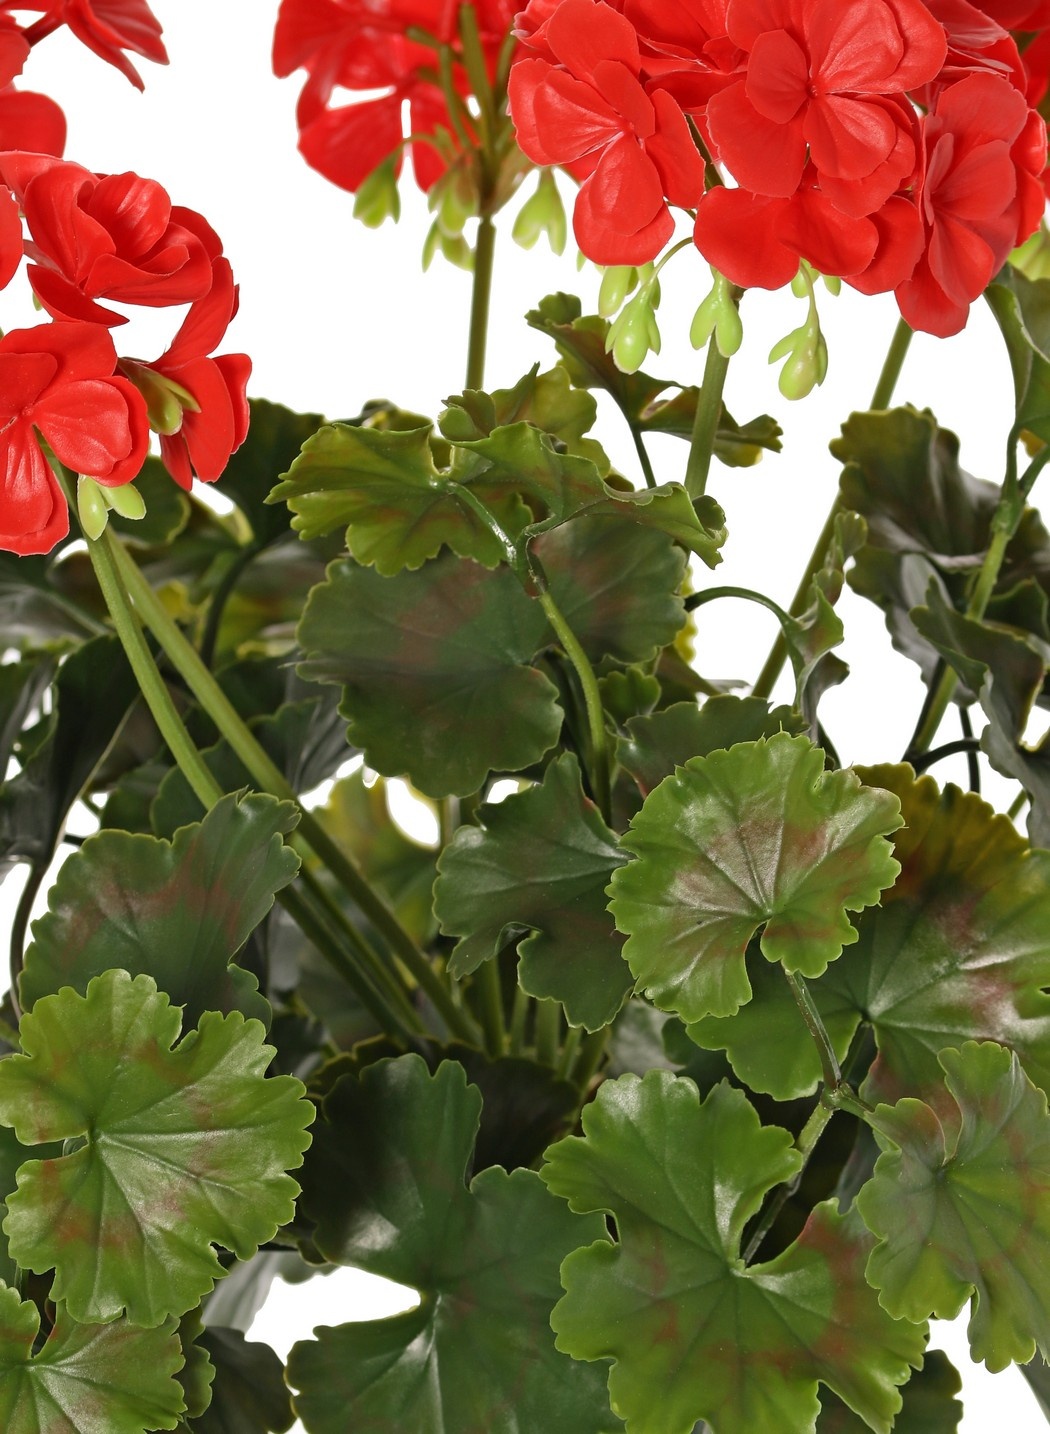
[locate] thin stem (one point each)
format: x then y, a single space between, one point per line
924 760
592 1053
1017 805
220 597
481 294
706 595
881 399
548 1032
972 765
19 925
705 423
805 1144
643 455
599 764
519 1018
491 1003
569 1052
270 778
829 1061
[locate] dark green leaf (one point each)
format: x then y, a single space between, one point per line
1022 308
173 1149
167 509
539 863
756 836
930 1405
275 436
435 670
178 912
693 1333
36 607
960 1203
478 1352
249 1395
546 400
86 1379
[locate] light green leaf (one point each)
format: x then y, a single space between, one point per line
693 1333
87 1379
174 1150
960 1203
757 836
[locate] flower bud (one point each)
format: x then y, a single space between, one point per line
377 198
807 359
542 213
92 508
632 335
126 500
617 282
166 400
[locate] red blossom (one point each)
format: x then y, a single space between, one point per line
1017 14
32 122
59 379
113 236
108 27
198 404
818 79
363 45
980 196
590 112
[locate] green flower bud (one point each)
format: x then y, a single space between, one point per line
125 500
617 282
92 509
166 400
807 359
453 198
630 335
719 315
377 198
542 213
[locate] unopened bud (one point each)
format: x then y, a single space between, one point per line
92 508
807 359
377 198
542 213
617 282
126 500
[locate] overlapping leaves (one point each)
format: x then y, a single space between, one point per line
960 1201
173 1150
693 1333
756 836
162 909
535 870
958 950
478 1352
91 1379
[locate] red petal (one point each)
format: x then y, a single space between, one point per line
833 242
739 233
848 138
582 33
33 513
31 121
675 154
348 143
777 81
766 158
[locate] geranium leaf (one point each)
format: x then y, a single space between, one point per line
181 1148
384 488
1022 309
248 1394
960 1203
759 835
539 863
930 1405
87 1379
618 586
167 509
671 1302
435 670
546 400
659 742
275 436
478 1352
177 911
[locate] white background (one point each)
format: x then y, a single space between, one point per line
333 314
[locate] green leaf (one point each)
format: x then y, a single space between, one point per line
37 608
546 400
693 1333
178 912
959 949
249 1395
930 1406
1022 309
87 1379
960 1203
661 741
275 436
181 1148
758 835
478 1352
384 488
435 670
534 870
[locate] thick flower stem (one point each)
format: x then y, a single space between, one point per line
263 771
481 294
829 1061
599 763
880 399
705 423
805 1144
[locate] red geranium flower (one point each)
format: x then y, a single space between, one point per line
198 404
108 27
1017 14
31 121
819 83
112 236
59 379
591 113
980 196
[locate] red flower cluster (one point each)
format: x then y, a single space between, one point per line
120 239
890 142
364 45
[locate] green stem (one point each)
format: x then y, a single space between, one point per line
975 609
805 1144
643 455
548 1032
705 423
490 993
599 763
569 1051
481 294
592 1053
519 1017
19 925
270 778
1017 805
881 399
829 1061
